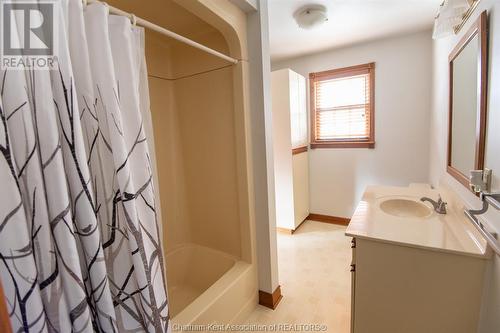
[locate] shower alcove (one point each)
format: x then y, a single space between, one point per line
199 116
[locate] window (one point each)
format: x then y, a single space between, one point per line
342 107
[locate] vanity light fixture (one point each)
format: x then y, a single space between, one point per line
451 17
310 16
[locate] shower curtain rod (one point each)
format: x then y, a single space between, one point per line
146 24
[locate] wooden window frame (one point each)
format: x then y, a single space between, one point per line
299 150
339 73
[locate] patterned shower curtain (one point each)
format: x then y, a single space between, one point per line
80 246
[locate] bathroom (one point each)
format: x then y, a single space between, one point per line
250 166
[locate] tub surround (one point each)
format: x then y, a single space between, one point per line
196 268
451 232
200 115
228 300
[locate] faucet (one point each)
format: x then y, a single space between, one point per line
439 206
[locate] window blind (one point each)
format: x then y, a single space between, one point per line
342 108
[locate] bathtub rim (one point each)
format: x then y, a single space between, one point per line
231 279
182 246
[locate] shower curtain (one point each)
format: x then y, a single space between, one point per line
80 247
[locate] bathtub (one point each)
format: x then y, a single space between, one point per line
207 286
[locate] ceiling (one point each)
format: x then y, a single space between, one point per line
349 22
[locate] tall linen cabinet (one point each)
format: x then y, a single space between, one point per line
291 163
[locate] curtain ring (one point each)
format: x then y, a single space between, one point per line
133 19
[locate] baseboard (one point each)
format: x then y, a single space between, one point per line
297 227
328 219
290 231
4 313
268 300
318 218
285 230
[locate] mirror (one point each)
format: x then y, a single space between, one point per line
467 114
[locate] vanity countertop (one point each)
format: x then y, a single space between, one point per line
451 232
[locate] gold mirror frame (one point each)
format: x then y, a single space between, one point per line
467 14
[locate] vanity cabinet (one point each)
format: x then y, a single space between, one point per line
408 289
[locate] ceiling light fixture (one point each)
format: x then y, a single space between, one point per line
310 16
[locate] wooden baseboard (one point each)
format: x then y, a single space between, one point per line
4 314
268 300
291 231
328 219
285 230
317 218
297 228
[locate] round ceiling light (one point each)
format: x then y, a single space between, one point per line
310 16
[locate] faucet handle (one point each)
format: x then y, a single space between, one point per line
441 205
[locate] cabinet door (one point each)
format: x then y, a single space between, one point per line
294 109
302 109
405 289
298 110
300 186
283 170
298 122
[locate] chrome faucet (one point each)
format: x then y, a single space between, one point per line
439 206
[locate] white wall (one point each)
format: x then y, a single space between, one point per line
338 177
262 147
490 317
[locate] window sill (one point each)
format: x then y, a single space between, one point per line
298 150
343 144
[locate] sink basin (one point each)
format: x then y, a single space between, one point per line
405 208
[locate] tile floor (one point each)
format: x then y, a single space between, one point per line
315 280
